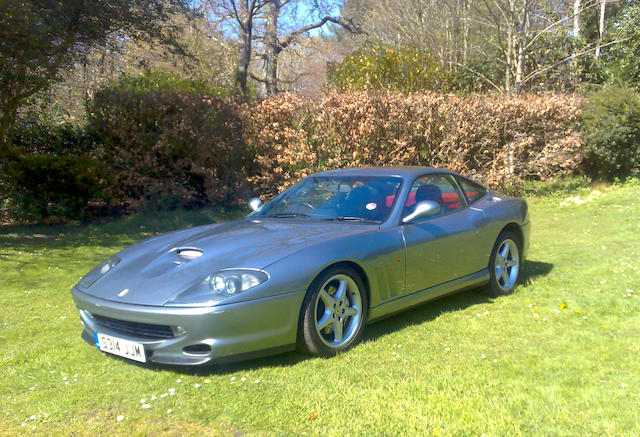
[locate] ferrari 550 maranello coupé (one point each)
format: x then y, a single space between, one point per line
309 269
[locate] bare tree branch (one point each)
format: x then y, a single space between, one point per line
568 58
346 23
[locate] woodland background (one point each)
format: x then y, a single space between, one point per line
114 106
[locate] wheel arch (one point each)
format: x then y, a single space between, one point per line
359 270
515 229
342 263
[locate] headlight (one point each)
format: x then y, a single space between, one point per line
218 286
102 269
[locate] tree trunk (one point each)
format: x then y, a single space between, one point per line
507 76
272 47
523 38
245 21
577 5
7 119
576 19
465 32
519 68
603 9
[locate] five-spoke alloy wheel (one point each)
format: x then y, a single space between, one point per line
504 266
333 313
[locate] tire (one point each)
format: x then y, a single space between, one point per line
504 264
334 312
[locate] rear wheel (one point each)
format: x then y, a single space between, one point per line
504 265
333 312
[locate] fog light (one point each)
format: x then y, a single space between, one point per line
178 331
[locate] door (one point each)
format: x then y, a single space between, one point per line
444 246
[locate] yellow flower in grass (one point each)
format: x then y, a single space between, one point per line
437 431
563 306
577 311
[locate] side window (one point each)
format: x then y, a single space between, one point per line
472 190
437 188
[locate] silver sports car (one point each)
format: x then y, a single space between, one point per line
309 269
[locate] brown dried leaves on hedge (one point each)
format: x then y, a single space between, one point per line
494 138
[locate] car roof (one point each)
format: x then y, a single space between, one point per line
409 172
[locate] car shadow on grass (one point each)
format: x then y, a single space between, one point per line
420 314
532 270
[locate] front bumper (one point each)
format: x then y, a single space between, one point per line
234 330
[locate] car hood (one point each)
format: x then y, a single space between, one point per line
154 271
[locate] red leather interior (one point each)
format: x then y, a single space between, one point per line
451 200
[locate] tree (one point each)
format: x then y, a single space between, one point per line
270 26
274 45
442 27
511 45
622 59
41 38
204 54
244 15
402 69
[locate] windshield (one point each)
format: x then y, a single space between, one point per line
349 198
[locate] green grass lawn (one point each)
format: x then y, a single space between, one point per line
560 356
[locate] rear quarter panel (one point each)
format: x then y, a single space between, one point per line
500 211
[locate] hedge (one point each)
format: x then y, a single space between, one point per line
157 147
499 140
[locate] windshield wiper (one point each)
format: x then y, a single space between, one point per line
288 215
352 219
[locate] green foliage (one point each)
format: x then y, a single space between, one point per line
41 38
468 79
552 48
165 82
55 175
560 187
611 125
379 67
622 58
38 135
53 186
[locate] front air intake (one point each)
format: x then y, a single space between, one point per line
145 331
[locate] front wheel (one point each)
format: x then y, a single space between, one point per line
504 265
333 312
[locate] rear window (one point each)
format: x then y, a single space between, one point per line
472 190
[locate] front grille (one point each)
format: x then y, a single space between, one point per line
135 329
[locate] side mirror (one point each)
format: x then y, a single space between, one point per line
255 203
423 209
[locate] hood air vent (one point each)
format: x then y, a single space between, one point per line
189 253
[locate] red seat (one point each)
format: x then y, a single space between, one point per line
451 200
411 200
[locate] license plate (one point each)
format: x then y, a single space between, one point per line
120 347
